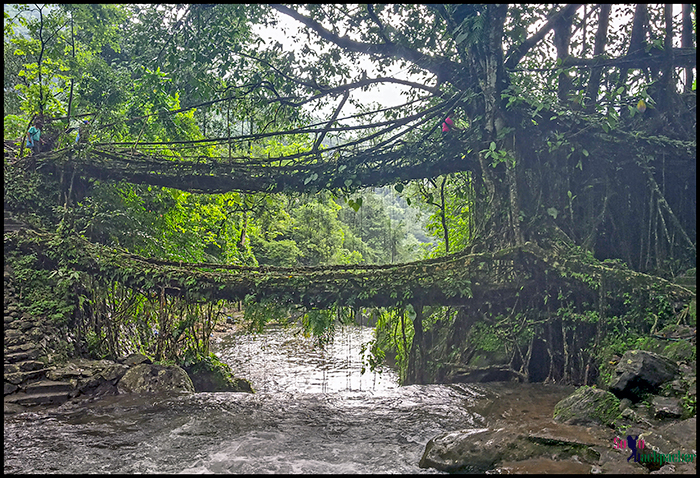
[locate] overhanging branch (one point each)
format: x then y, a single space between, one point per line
444 68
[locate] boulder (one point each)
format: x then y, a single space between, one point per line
483 449
210 377
680 351
145 378
588 406
682 435
467 450
666 407
135 359
113 373
641 372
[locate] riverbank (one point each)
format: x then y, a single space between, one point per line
39 369
517 431
648 415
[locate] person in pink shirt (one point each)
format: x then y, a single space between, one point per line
448 125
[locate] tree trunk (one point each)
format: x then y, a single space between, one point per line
562 39
417 360
637 38
601 37
443 215
687 42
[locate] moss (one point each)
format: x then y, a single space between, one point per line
211 375
680 351
588 405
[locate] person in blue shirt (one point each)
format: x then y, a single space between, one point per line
34 137
82 130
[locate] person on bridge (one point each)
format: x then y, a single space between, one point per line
82 132
448 125
34 137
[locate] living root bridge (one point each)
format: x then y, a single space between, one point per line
458 279
303 172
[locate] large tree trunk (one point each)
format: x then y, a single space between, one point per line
501 203
601 37
687 42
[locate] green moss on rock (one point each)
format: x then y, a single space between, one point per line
211 375
588 406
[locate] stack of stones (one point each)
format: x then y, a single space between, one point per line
27 358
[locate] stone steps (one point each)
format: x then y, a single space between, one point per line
19 377
30 399
31 354
26 366
48 386
24 374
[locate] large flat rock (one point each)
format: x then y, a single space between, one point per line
29 399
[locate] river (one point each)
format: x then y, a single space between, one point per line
314 412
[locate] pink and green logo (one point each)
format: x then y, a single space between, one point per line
636 445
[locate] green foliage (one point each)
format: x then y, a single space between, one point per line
483 337
393 338
61 42
32 197
317 231
259 313
689 405
320 324
497 156
14 127
373 356
457 209
43 292
681 351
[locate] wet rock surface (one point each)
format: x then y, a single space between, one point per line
588 406
209 378
520 434
531 430
145 378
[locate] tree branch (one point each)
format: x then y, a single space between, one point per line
516 54
442 67
375 19
682 57
601 38
330 122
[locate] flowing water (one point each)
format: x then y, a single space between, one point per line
314 412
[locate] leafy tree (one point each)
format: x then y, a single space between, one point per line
317 231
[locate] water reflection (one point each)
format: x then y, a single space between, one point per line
282 359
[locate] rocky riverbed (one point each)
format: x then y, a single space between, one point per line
586 430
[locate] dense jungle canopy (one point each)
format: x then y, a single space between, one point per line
205 140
